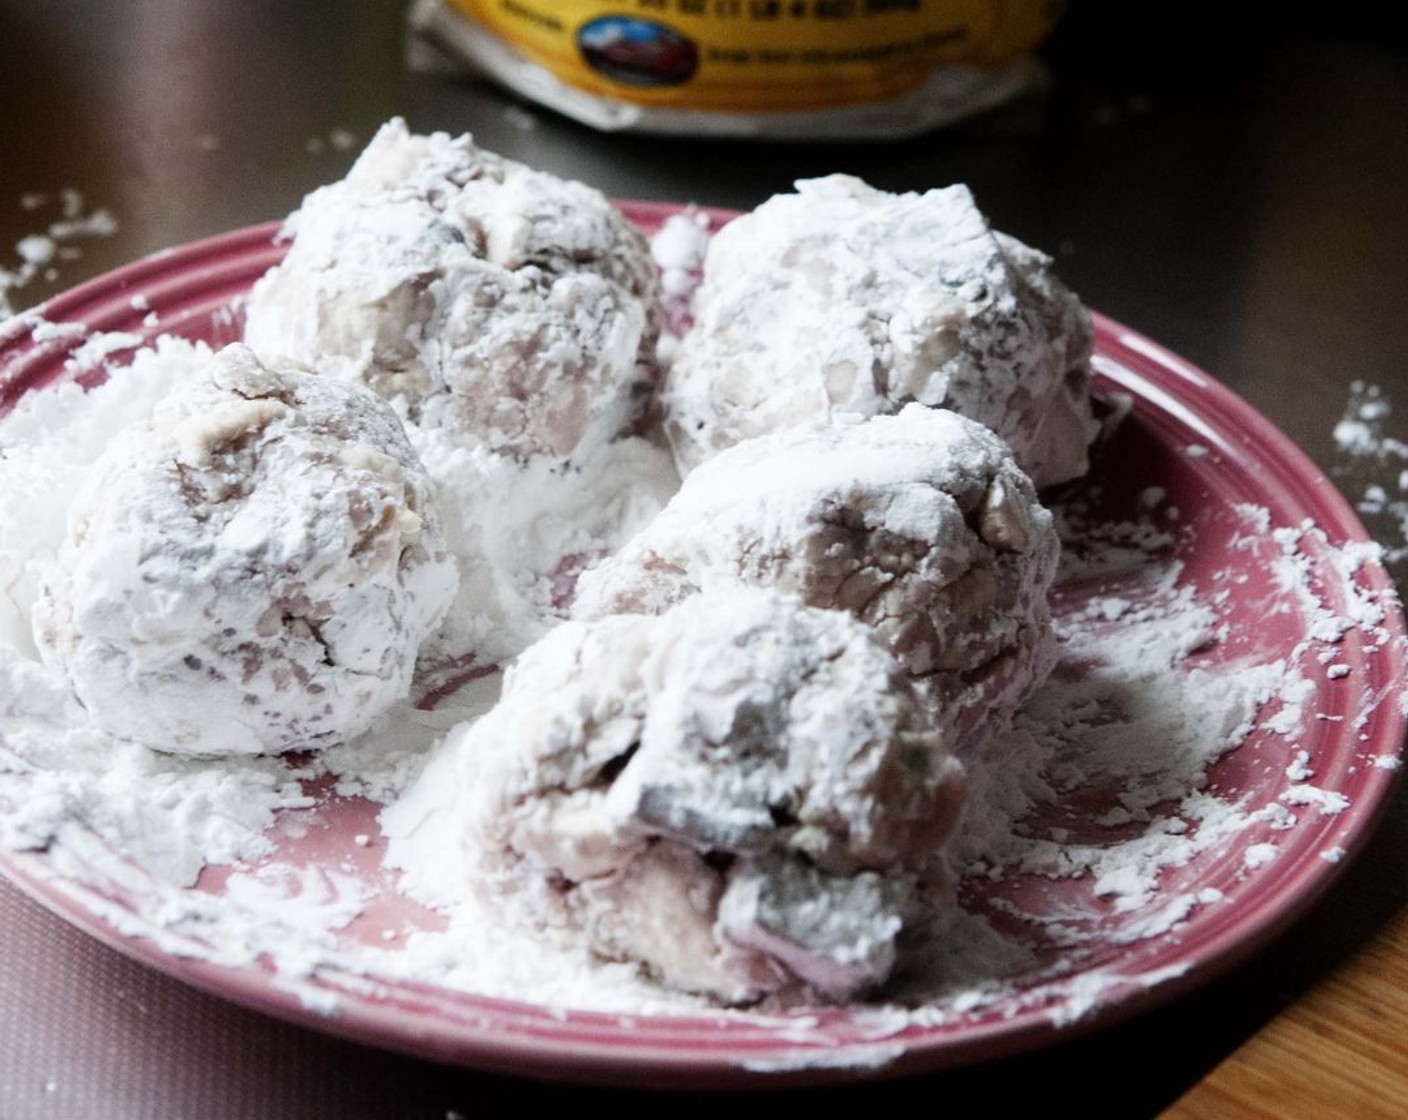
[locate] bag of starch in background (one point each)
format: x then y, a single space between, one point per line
784 69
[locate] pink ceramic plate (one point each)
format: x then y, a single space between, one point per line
1209 454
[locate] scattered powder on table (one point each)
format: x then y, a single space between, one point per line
42 254
1375 463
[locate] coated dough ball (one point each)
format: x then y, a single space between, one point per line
843 298
920 524
500 302
743 795
251 571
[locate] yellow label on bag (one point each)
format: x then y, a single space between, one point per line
760 55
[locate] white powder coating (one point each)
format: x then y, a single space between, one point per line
252 570
843 298
502 303
678 248
47 445
920 524
743 794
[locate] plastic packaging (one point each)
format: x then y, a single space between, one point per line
788 69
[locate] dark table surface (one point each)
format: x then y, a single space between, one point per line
1242 200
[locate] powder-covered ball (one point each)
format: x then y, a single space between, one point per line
503 303
919 524
743 795
842 298
251 571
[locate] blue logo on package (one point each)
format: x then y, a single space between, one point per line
638 52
